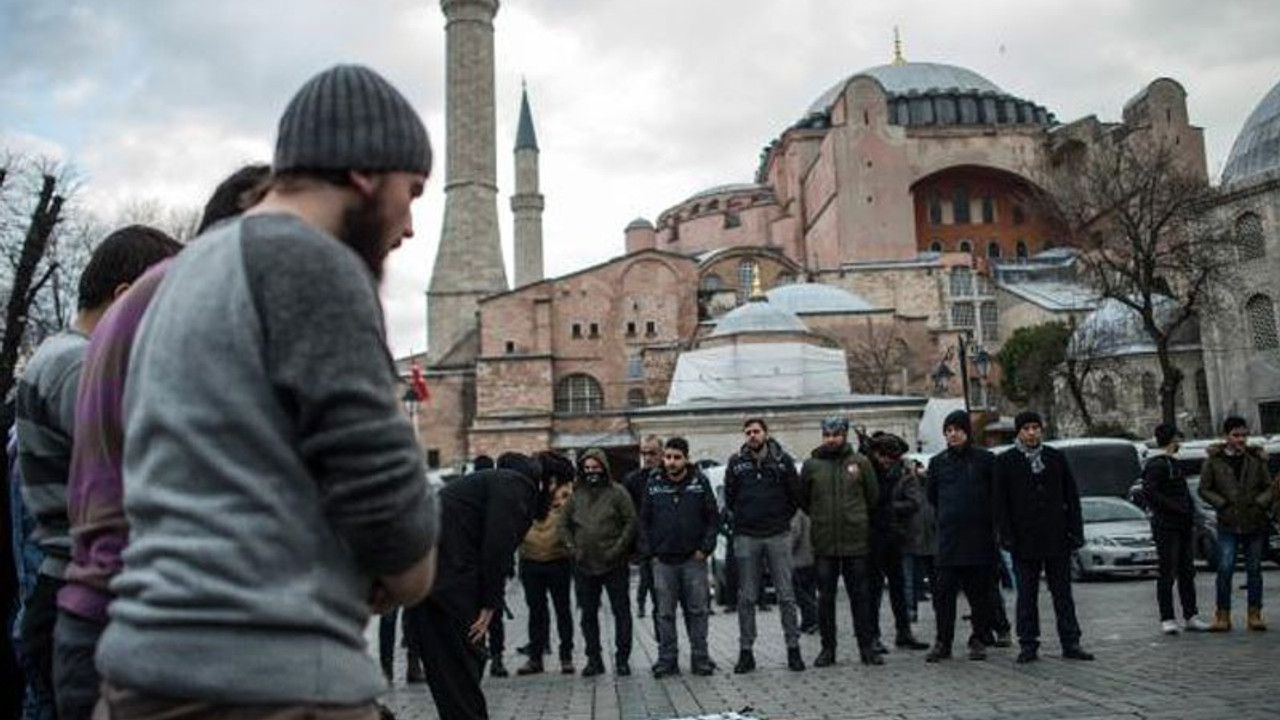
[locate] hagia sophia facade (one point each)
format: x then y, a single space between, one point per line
897 218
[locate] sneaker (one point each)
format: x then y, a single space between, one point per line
703 667
794 661
1027 655
1195 623
826 658
595 666
1076 653
938 653
746 663
1169 627
665 669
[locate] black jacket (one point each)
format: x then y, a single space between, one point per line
1037 515
761 494
483 518
677 519
1166 492
959 487
635 482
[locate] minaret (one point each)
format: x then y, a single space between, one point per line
527 202
469 259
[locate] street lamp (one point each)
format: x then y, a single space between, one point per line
941 378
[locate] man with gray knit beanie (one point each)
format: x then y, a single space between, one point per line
275 491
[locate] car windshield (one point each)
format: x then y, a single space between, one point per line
1107 510
1103 468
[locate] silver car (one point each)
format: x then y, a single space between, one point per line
1117 540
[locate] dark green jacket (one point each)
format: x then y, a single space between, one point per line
599 527
839 488
1242 504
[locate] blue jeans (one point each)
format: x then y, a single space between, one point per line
1229 544
684 584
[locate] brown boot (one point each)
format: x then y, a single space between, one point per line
1255 621
1221 621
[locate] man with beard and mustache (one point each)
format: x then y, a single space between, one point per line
275 491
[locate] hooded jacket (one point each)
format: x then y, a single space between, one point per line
761 492
599 523
1241 503
839 490
678 519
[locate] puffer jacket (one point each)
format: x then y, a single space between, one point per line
838 490
1241 503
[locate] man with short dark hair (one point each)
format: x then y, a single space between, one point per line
1038 520
46 420
838 490
890 518
636 483
263 551
677 533
761 493
1235 481
1168 499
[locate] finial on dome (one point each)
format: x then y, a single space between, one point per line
757 291
897 48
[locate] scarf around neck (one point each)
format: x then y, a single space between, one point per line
1032 454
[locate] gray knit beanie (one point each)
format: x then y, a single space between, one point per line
350 118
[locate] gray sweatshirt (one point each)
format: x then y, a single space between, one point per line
269 475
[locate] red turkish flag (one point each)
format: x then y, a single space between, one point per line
418 382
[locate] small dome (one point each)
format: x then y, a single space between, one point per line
1257 148
758 317
1115 329
905 78
801 298
640 224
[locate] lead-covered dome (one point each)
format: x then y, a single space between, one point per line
758 316
812 298
907 77
1115 329
1256 150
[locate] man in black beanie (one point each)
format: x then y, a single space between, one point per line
959 486
1038 519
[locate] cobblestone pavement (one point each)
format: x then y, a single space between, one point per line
1139 673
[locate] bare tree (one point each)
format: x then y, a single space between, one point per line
876 357
1138 213
179 223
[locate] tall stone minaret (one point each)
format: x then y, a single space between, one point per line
527 202
469 260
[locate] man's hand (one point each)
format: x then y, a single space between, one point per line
480 627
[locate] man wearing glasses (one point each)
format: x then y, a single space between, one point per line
1234 481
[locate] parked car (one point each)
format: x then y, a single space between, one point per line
1117 540
1102 467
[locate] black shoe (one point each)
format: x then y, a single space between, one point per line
640 612
1003 640
938 653
387 674
1027 655
977 650
703 667
878 647
566 666
622 668
662 670
498 670
909 642
532 667
869 656
809 629
794 661
826 658
595 666
746 663
523 649
1076 653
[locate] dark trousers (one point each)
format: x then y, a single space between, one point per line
75 640
886 569
1057 575
805 581
387 641
920 580
645 587
40 614
1176 557
976 582
452 663
543 581
855 570
616 584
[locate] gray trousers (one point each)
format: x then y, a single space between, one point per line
687 584
748 552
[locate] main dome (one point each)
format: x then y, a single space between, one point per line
1257 148
800 298
918 77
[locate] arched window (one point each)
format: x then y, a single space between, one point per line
1107 394
965 246
1021 250
1150 397
579 394
747 270
635 398
993 249
935 246
1262 322
1249 239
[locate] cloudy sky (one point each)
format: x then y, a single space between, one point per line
637 103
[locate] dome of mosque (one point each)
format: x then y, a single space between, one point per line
1256 150
758 316
1116 329
801 298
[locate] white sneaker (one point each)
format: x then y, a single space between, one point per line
1197 624
1169 627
